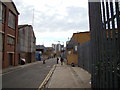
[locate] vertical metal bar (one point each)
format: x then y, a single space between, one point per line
104 46
91 8
118 51
118 27
112 37
108 46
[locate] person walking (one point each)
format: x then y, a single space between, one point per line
57 60
61 60
43 61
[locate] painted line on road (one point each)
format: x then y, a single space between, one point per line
43 84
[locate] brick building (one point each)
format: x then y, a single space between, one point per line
72 46
8 33
26 43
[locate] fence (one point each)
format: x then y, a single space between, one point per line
104 17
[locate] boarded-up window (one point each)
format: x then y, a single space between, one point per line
3 13
10 40
1 42
11 20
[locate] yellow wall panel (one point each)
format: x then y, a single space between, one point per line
80 38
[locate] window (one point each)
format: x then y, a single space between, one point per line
11 20
69 52
2 13
76 48
1 42
10 40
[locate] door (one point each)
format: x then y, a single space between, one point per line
10 58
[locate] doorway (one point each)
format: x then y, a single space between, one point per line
10 58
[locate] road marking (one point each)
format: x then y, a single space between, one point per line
42 86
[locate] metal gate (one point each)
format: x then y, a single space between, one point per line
104 17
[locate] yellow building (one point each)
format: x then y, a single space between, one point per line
72 47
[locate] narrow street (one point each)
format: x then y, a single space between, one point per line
68 44
29 76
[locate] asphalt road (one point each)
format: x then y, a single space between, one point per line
28 77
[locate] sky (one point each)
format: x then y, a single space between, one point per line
54 20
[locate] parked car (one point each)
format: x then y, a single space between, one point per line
23 61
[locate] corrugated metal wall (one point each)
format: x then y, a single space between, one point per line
26 43
84 60
26 40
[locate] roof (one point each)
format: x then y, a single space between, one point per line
25 25
10 4
80 33
40 47
72 42
22 26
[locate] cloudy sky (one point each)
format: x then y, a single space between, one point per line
54 20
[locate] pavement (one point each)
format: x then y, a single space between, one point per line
65 76
12 68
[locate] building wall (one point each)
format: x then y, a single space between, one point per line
79 38
9 34
23 39
84 60
26 43
71 57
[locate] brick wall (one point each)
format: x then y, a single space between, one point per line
9 50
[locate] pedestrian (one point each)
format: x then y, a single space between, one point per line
61 60
43 61
57 60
